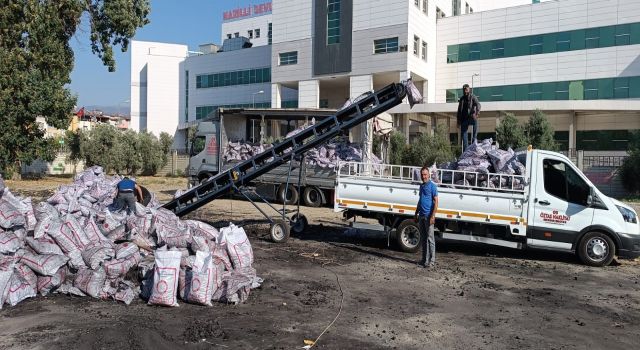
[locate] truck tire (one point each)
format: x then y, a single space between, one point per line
204 177
408 236
299 223
596 249
292 194
312 196
279 231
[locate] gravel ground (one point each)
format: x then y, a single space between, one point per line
478 297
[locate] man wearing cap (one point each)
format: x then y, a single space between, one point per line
128 190
468 111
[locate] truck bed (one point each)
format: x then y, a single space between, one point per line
392 189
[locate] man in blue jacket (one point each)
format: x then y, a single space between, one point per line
128 190
426 217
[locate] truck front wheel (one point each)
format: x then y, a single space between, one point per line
596 249
408 236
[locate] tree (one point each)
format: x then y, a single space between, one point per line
397 148
100 147
631 167
428 149
539 131
152 154
166 141
509 133
130 158
36 61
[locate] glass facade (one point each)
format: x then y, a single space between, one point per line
186 96
288 58
333 22
289 104
579 39
385 45
592 89
203 111
249 76
603 140
270 33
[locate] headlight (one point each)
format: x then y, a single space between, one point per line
628 215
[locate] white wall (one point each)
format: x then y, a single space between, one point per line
155 74
242 26
540 18
256 57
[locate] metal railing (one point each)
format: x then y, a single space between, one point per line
603 161
449 178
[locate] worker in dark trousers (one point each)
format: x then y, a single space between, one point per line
468 112
426 217
128 190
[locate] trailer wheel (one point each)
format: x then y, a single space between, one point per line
279 231
312 196
408 236
299 223
204 177
596 249
292 194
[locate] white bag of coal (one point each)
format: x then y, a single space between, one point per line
165 278
238 246
200 280
9 242
90 281
45 264
19 289
46 284
44 245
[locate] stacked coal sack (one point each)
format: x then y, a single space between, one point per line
77 243
325 156
485 162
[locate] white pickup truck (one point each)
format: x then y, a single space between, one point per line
554 206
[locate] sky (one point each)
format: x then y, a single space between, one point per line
188 22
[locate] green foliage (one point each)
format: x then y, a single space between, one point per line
539 131
36 61
631 167
166 141
397 148
377 144
509 133
121 151
428 149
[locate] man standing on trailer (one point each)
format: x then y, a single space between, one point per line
426 217
468 110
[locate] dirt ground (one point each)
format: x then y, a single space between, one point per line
477 298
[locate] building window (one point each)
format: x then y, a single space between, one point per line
236 35
466 7
417 3
535 44
474 51
425 7
592 89
497 50
186 96
270 33
250 33
324 103
563 41
455 7
289 58
333 22
623 34
228 36
439 13
470 9
621 88
243 77
416 45
257 32
424 51
592 38
385 45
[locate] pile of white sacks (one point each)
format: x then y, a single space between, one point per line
485 162
75 243
325 156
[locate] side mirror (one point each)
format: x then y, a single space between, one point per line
592 195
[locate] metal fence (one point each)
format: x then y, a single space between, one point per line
603 161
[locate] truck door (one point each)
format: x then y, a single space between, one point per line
559 204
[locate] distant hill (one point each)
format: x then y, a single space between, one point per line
108 110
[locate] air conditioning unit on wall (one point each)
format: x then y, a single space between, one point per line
404 48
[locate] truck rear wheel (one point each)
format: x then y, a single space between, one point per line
596 249
408 236
292 194
279 231
299 223
312 196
